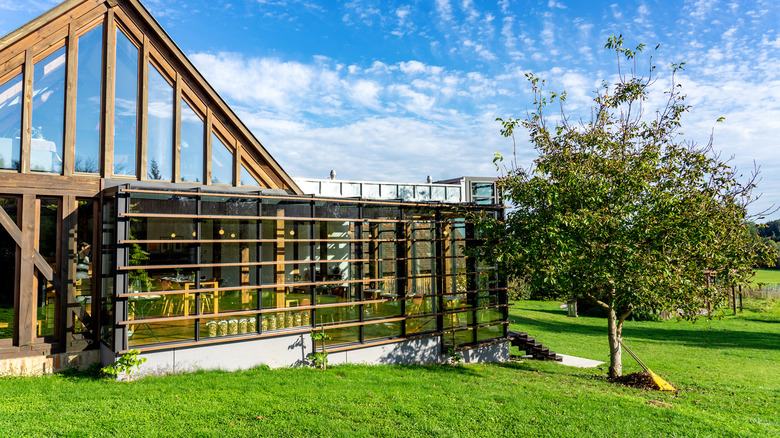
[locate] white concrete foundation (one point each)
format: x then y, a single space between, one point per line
292 350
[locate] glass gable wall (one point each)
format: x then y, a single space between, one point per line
211 267
142 104
88 101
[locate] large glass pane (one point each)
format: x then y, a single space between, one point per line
221 162
192 144
247 179
47 246
10 123
84 259
48 113
108 269
7 271
159 138
217 205
125 105
158 203
89 82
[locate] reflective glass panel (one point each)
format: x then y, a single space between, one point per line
221 162
10 123
84 259
247 179
192 144
108 268
125 105
8 271
159 139
47 246
48 116
90 77
160 203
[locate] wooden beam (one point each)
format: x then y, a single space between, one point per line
24 163
177 129
69 143
109 61
143 111
207 144
236 163
27 272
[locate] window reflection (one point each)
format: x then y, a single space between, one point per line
49 214
88 101
221 162
247 179
10 123
7 271
159 139
48 115
125 105
192 144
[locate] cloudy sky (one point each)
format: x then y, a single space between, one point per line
398 90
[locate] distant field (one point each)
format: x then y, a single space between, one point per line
770 276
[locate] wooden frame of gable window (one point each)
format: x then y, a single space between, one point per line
224 135
200 109
117 22
71 98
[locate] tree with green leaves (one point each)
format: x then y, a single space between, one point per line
619 209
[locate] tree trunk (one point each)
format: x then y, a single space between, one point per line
615 352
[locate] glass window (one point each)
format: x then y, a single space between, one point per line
108 268
10 123
370 191
89 81
192 144
49 211
423 193
125 105
48 115
453 194
389 191
8 271
221 162
247 179
159 138
85 260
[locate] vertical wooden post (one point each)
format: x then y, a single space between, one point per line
207 145
237 164
177 129
740 299
24 163
143 110
27 292
109 29
68 153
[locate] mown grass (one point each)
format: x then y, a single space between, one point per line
768 276
726 371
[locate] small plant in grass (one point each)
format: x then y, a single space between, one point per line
125 363
320 358
453 356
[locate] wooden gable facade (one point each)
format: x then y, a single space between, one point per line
90 92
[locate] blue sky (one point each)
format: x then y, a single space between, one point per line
398 90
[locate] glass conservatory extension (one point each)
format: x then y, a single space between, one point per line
190 267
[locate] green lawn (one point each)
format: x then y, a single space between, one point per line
727 372
770 276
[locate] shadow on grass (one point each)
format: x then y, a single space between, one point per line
713 338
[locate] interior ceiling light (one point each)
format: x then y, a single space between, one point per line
173 235
221 232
